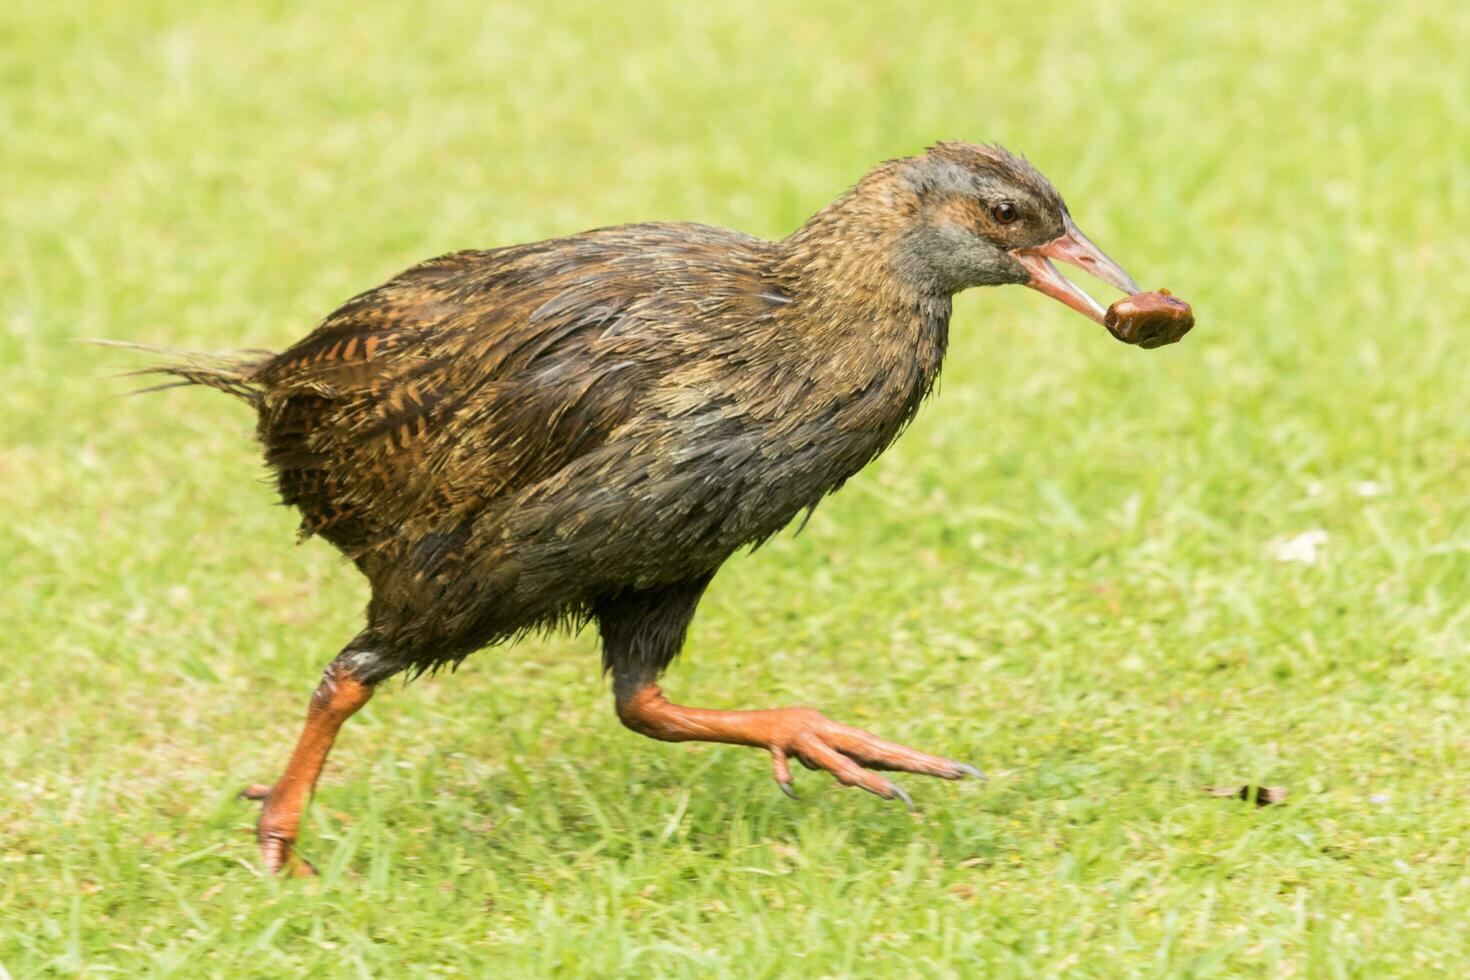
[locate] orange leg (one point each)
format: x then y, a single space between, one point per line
847 753
335 700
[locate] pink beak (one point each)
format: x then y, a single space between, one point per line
1077 249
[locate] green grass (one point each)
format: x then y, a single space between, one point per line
1063 572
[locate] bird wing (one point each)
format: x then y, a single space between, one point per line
476 374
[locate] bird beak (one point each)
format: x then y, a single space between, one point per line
1077 249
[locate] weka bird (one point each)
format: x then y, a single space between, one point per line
585 429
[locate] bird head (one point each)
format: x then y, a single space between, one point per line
982 216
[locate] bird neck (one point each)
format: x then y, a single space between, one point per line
845 267
876 337
854 247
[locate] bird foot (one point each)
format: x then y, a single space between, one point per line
850 755
275 831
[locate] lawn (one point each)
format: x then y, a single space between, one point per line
1110 577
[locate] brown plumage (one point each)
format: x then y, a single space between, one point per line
586 428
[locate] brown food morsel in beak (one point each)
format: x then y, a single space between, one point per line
1149 319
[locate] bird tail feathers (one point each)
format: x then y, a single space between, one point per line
233 373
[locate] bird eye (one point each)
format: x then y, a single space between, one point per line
1004 212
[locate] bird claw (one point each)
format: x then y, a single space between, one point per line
787 789
968 770
902 794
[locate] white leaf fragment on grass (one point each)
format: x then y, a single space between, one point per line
1304 548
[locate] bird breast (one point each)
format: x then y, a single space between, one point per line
790 420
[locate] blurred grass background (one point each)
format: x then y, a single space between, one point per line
1067 571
